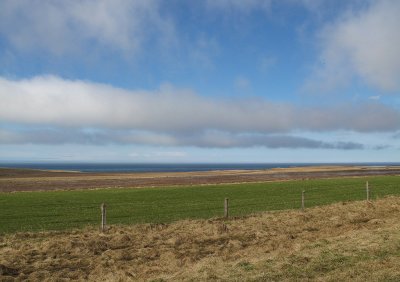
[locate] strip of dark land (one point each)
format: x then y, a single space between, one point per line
39 180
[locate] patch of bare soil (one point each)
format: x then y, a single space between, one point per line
355 241
38 180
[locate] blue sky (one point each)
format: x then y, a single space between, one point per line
200 81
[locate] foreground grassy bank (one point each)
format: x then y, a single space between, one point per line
35 211
355 241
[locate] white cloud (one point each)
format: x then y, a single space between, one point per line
361 44
66 26
50 100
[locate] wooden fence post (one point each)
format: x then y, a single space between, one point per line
367 190
226 208
302 200
103 216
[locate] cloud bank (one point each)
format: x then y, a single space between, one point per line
55 101
207 139
52 110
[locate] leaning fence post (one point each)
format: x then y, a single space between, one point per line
103 216
367 190
226 207
302 200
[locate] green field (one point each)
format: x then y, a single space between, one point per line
35 211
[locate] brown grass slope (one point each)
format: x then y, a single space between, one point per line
355 241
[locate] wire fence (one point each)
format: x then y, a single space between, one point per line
76 209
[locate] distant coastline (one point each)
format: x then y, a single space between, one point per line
174 167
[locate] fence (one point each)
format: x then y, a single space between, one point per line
226 204
33 211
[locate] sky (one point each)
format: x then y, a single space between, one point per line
211 81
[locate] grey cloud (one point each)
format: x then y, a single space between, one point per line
347 146
381 147
203 140
52 137
226 140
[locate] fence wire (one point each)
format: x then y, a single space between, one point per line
176 205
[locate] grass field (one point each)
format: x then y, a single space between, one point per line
353 241
38 211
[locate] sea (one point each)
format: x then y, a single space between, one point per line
172 167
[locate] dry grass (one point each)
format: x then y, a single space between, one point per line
346 241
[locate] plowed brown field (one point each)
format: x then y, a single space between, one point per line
37 180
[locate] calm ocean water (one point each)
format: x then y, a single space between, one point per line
124 167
